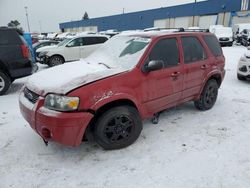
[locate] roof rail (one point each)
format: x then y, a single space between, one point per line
198 30
180 29
162 28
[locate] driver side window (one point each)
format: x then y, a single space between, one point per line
76 42
166 50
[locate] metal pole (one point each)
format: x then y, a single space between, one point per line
40 25
27 16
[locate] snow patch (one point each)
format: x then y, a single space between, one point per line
61 79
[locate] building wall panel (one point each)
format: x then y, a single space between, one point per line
206 21
145 19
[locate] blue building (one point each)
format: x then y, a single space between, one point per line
201 14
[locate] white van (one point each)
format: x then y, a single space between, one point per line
224 35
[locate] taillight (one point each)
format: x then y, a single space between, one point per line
25 51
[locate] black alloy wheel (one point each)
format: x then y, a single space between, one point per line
208 96
118 127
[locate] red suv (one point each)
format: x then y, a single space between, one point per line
130 78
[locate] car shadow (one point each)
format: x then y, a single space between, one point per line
15 87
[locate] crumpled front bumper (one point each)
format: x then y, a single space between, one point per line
65 128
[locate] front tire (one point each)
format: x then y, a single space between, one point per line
55 61
230 44
118 127
5 82
208 96
240 77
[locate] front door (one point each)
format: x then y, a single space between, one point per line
72 50
163 88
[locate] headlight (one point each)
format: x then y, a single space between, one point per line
43 53
61 103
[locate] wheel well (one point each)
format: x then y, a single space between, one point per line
112 104
216 77
4 68
90 129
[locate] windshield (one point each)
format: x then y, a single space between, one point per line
243 26
123 51
63 42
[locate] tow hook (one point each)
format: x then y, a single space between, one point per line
45 142
155 118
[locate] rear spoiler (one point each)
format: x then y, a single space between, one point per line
20 32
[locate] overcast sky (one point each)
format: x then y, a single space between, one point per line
52 12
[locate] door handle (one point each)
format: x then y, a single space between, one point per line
175 74
204 66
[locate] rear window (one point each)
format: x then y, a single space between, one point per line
213 45
9 37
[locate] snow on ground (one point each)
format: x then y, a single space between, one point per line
188 148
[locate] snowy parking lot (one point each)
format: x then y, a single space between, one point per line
188 148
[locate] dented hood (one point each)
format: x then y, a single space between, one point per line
64 78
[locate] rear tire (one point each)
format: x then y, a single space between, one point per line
118 127
5 82
55 61
240 77
208 96
230 44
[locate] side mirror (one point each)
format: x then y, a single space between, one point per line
153 65
248 47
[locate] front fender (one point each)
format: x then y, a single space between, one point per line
110 97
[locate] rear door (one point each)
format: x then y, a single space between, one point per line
91 43
196 64
163 88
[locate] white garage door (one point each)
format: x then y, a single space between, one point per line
164 23
181 22
237 20
206 21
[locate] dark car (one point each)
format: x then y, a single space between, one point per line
245 37
128 79
15 57
43 44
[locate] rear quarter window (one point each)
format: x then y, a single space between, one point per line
213 45
9 37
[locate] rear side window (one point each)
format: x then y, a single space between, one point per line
101 40
193 50
213 45
167 51
94 40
